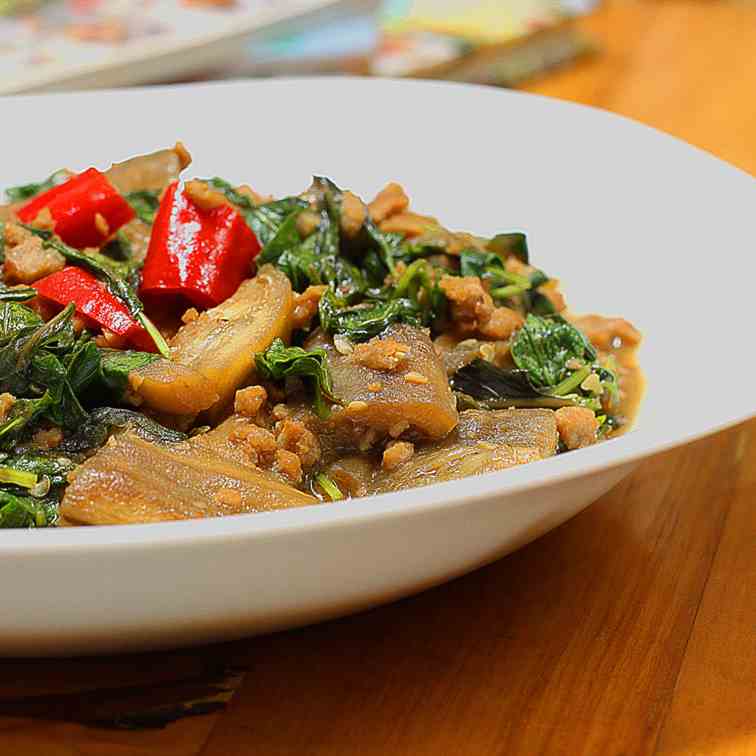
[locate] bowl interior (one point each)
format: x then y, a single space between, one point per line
634 223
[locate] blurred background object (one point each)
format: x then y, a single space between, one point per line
50 45
82 44
479 41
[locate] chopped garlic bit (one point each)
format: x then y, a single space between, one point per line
342 344
488 352
415 377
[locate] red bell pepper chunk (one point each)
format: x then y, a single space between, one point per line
94 303
75 205
197 253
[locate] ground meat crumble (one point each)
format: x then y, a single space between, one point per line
389 201
26 259
203 196
294 436
473 312
577 426
249 401
397 453
289 464
353 214
48 438
306 306
380 354
258 443
6 403
608 333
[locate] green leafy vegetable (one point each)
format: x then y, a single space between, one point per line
490 267
14 317
544 347
32 486
278 362
285 238
32 367
560 360
20 478
82 364
391 248
481 385
101 422
116 365
16 293
145 204
103 373
266 219
387 249
505 284
513 244
48 368
317 259
363 321
330 488
119 248
359 304
43 464
26 512
306 263
27 191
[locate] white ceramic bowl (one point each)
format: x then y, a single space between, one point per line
634 222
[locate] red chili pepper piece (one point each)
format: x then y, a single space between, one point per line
74 206
94 303
197 253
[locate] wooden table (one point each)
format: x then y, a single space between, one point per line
630 630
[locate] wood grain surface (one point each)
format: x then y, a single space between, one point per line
630 630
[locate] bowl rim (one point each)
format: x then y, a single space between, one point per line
629 448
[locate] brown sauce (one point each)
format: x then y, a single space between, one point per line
632 385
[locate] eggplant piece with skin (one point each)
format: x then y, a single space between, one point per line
483 441
214 355
131 480
417 395
152 172
149 174
171 388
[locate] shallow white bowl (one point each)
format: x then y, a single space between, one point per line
634 222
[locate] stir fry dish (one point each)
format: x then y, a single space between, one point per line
175 348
